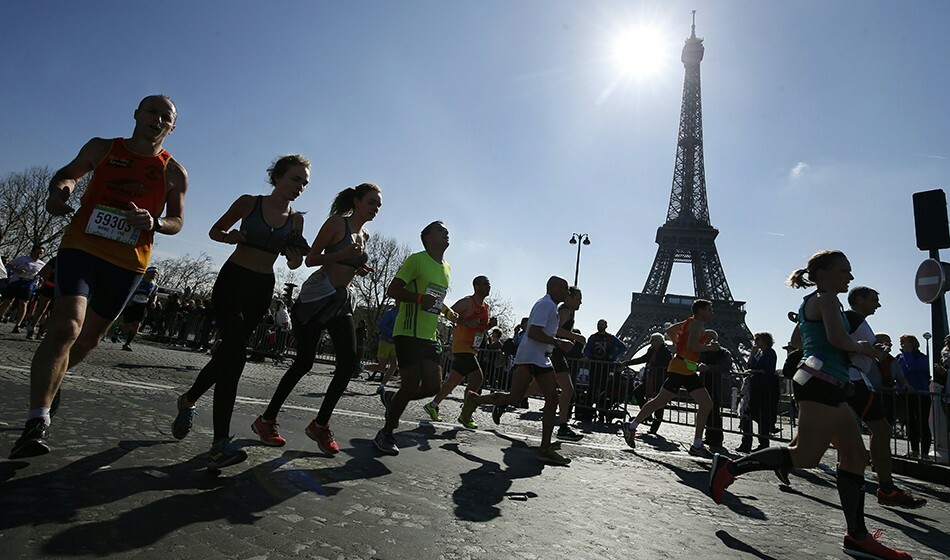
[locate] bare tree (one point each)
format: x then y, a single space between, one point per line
283 276
197 273
386 255
501 307
24 221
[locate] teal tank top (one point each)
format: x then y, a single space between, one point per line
815 343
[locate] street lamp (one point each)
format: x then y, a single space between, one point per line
584 240
927 337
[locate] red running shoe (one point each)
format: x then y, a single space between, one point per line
869 547
900 498
720 477
267 430
323 436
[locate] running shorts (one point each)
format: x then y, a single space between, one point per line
535 369
106 287
464 363
676 380
867 404
412 351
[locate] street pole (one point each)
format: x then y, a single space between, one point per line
578 239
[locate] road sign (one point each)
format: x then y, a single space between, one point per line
931 280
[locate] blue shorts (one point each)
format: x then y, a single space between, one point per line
106 286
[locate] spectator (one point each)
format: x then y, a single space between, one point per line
917 372
759 404
603 349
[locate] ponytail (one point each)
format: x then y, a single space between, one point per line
345 200
819 261
798 280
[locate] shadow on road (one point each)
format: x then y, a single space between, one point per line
485 486
736 544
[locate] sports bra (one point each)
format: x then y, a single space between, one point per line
347 240
259 235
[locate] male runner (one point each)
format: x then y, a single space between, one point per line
143 299
690 339
420 287
867 402
533 363
105 249
469 331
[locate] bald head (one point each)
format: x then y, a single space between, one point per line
557 288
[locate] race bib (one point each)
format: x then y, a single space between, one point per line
439 293
140 298
477 341
110 223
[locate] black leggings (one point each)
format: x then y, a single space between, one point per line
918 423
239 299
343 334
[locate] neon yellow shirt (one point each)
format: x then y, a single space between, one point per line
422 275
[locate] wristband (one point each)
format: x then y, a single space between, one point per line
419 299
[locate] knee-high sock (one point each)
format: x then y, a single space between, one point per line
851 493
765 460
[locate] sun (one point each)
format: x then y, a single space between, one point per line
640 52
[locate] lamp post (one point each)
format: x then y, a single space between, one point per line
578 239
927 337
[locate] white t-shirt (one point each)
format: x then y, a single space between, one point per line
861 362
530 351
24 268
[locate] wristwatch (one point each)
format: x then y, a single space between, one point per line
156 224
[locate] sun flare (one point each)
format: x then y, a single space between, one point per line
640 51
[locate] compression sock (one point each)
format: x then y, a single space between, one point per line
765 460
851 493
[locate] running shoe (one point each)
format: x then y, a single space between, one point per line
468 408
496 412
386 443
267 430
782 475
323 436
700 451
16 329
629 435
467 422
185 419
869 547
126 347
720 477
386 397
567 434
900 498
224 454
550 456
33 440
30 333
433 412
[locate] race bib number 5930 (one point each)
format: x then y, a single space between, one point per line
110 223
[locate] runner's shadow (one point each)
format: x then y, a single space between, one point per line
699 480
421 435
242 499
485 486
740 546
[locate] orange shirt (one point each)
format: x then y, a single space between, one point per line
98 227
465 339
685 360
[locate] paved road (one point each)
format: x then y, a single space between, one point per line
118 485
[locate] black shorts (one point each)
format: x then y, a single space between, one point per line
134 313
464 363
412 351
820 391
106 286
676 380
18 290
559 361
868 405
534 369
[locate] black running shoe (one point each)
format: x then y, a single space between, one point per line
496 412
184 420
32 442
567 434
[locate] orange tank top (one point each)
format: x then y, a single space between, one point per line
685 360
465 339
98 227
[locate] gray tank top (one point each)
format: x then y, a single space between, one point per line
259 235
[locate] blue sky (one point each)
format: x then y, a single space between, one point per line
511 122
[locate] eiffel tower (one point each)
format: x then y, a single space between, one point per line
687 237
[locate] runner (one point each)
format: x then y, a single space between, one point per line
386 362
420 287
533 363
867 402
821 385
326 303
242 294
105 248
562 369
690 339
143 299
37 321
19 288
469 332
